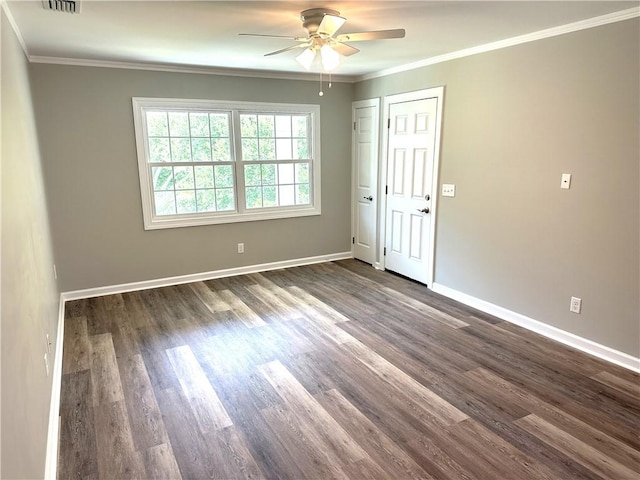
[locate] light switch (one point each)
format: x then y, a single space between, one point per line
566 180
448 190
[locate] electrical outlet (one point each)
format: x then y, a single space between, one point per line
576 305
46 363
241 248
565 182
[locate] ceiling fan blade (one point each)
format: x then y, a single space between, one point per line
297 39
292 47
330 24
344 49
377 35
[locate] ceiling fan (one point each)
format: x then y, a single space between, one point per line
321 25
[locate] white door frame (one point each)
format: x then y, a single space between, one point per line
373 102
437 92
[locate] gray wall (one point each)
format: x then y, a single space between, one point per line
85 124
514 121
29 295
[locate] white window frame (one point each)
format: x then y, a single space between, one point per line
240 214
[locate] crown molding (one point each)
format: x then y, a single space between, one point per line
5 8
159 67
510 42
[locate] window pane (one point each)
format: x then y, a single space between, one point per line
224 176
250 149
299 126
252 175
283 126
265 126
201 149
206 200
221 150
204 177
186 201
300 148
199 123
219 124
159 150
302 194
269 174
162 178
224 198
254 197
269 198
286 195
157 124
183 177
302 173
165 203
285 173
267 149
283 149
180 150
248 125
178 124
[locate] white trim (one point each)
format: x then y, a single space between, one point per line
199 277
373 102
51 459
160 67
510 42
14 26
583 344
435 92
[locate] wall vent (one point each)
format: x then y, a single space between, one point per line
69 6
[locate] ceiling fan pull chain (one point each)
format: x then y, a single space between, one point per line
320 93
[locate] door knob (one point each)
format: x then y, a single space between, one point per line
370 198
424 210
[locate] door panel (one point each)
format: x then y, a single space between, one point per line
411 155
365 187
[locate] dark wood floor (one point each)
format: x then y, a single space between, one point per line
331 371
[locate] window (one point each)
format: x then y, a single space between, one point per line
206 162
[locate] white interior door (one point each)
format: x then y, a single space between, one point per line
411 151
365 179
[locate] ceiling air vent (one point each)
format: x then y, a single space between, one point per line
69 6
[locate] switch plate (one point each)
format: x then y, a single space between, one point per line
241 248
576 305
566 180
448 190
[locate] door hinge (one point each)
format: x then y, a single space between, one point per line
354 125
384 252
386 189
353 240
388 123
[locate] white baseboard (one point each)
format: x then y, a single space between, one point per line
588 346
199 277
51 461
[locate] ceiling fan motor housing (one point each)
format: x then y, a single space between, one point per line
312 18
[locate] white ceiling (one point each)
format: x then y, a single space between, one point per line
204 34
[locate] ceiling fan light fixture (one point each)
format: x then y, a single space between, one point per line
330 58
306 58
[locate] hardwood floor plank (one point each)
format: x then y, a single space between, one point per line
117 456
580 451
632 389
207 408
233 458
78 452
160 463
76 348
144 414
105 377
309 414
394 462
244 313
